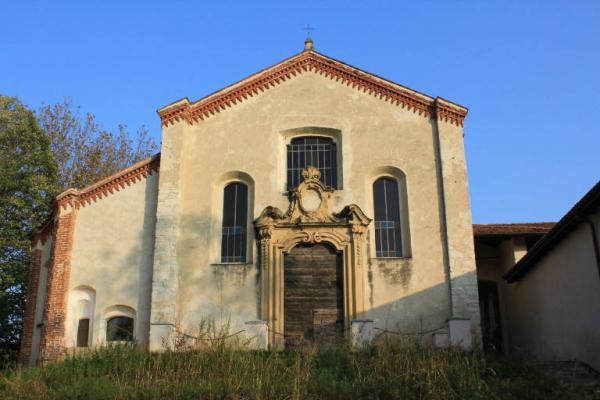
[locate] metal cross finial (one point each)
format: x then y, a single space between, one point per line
308 29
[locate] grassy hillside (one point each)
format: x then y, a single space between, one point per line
388 371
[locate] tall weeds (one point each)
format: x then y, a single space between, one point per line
388 370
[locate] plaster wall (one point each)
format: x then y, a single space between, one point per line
554 309
249 139
456 209
112 260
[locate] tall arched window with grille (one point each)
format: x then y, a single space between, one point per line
235 215
388 229
320 152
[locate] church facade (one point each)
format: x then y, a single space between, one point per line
311 200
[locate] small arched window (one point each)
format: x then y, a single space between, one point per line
119 329
320 152
388 230
235 215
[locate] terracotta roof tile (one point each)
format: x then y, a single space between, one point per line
526 228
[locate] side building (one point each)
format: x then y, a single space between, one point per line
539 286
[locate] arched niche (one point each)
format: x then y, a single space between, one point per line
81 305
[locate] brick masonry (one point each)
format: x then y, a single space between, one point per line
30 305
53 330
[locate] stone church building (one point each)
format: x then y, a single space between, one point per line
309 201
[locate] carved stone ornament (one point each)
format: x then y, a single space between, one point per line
309 203
308 220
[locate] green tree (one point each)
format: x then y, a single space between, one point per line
84 151
28 183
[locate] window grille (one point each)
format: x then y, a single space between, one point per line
235 214
388 229
319 152
119 329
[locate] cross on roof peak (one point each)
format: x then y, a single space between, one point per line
308 42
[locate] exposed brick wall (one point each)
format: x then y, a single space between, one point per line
30 305
53 331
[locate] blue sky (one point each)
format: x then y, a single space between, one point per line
529 71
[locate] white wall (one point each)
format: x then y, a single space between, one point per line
112 255
554 310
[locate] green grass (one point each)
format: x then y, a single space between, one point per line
386 371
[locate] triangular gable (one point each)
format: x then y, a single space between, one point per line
311 61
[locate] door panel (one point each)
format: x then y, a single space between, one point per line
313 297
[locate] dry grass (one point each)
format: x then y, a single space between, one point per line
390 370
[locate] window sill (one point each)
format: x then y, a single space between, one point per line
408 258
223 264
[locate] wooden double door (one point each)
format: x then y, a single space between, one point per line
313 295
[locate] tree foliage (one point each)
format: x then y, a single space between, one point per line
28 183
86 152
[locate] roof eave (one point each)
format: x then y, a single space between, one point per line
588 203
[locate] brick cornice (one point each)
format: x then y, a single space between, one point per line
448 112
311 61
76 198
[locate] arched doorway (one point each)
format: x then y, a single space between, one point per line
313 295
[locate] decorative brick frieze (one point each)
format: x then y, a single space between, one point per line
446 112
310 61
120 180
41 236
53 329
30 306
114 183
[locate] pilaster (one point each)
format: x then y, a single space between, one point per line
55 303
165 276
454 199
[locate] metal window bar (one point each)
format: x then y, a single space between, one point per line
388 233
234 244
233 240
316 151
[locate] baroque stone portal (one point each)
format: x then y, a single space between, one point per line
309 220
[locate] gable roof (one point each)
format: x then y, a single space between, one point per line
587 205
311 61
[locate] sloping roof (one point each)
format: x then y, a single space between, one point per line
102 188
311 61
526 228
588 204
112 183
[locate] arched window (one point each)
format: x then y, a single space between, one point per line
119 329
83 332
320 152
388 231
235 215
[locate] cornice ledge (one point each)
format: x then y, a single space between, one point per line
448 111
109 185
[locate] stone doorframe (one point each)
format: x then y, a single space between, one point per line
309 220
